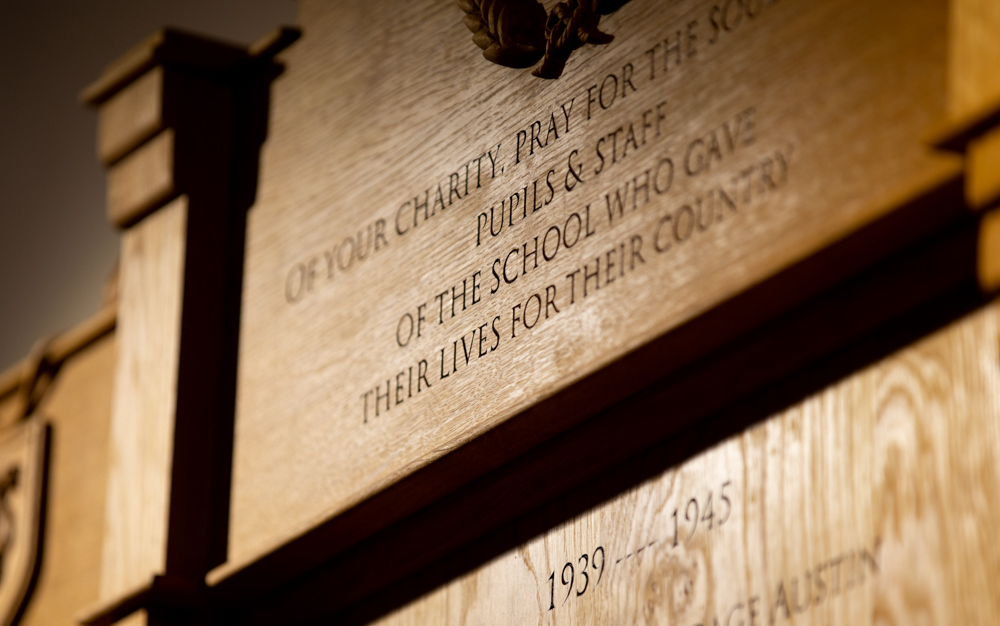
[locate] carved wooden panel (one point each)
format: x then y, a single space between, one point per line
439 242
873 502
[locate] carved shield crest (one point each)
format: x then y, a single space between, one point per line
22 480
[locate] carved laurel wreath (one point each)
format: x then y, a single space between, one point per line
517 33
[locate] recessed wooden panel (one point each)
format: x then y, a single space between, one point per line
395 307
871 502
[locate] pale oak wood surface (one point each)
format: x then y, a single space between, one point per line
356 132
142 417
142 180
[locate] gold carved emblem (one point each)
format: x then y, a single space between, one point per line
519 33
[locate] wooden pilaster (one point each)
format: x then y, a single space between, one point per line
181 119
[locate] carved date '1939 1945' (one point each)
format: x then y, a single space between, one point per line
568 570
576 576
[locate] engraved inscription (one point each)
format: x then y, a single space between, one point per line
595 561
604 175
748 181
837 511
645 160
707 515
683 520
798 594
442 249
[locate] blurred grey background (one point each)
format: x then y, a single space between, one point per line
56 247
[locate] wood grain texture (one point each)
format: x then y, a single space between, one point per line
78 406
872 502
357 132
142 180
131 116
142 418
321 575
973 55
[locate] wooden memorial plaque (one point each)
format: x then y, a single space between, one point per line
871 502
440 242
